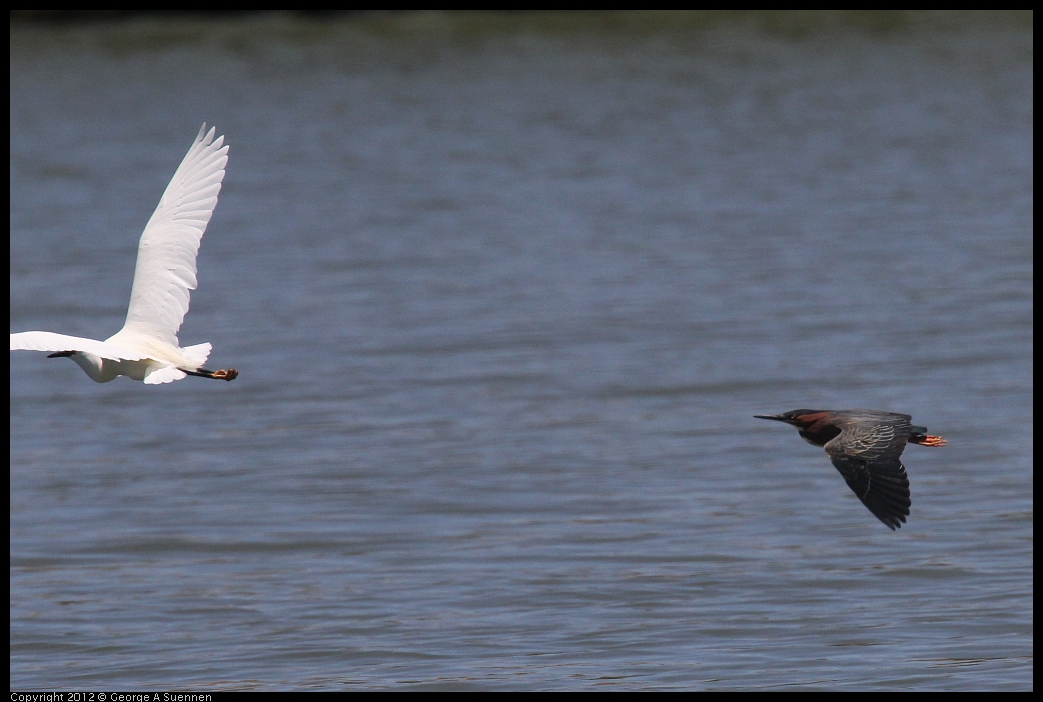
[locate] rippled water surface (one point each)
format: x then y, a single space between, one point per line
504 293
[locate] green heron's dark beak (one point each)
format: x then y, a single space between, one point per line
776 417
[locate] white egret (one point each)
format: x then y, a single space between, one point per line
146 348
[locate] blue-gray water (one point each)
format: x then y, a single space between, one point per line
504 293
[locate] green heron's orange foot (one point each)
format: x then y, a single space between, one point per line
229 374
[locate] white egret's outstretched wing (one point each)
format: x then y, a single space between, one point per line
166 267
48 341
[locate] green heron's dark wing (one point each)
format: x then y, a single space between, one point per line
882 487
878 437
868 455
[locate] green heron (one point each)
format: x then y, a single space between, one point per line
866 447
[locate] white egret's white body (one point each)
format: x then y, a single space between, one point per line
147 348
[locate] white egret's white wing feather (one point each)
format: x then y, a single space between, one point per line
165 374
48 341
166 267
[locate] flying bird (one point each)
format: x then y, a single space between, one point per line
147 348
866 447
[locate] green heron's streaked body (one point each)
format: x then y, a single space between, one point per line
866 447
